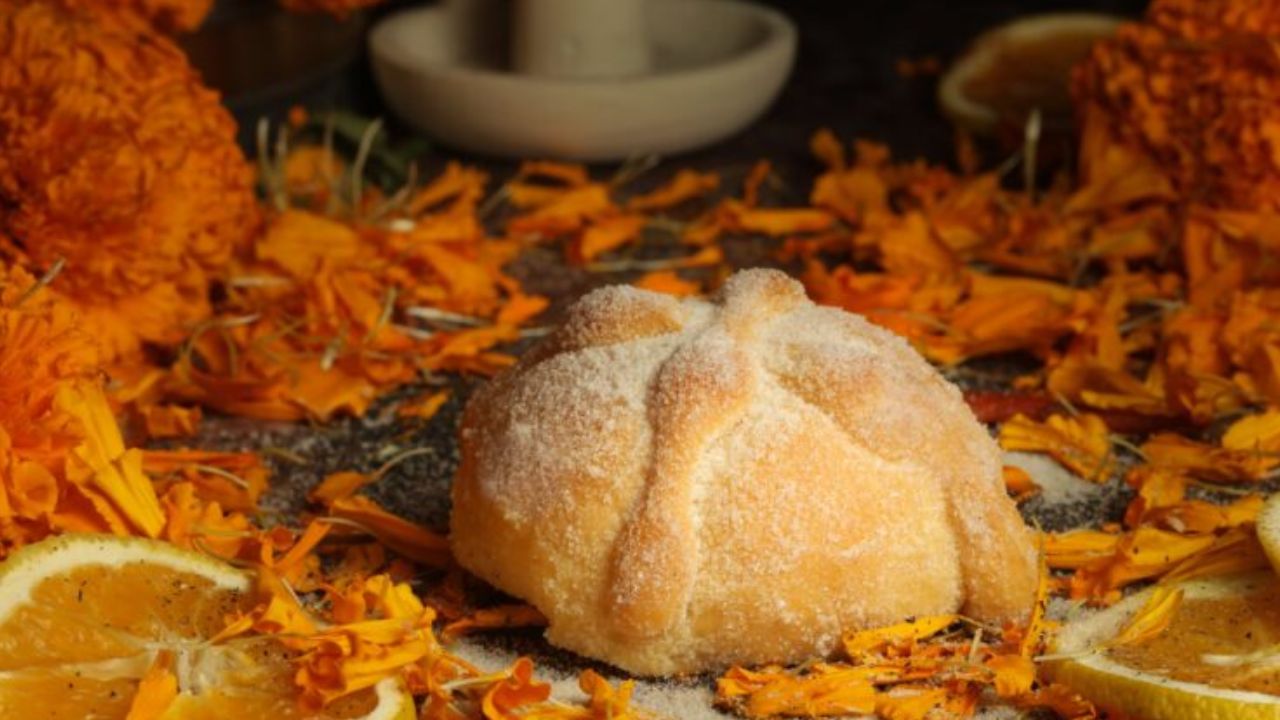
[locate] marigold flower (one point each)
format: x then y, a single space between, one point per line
1195 87
114 157
63 463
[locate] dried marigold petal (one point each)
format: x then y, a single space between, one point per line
1152 619
1078 548
1157 489
1198 516
911 703
156 691
668 282
827 148
684 186
1201 460
1013 675
1235 551
874 640
236 480
1139 555
1018 483
776 221
1257 433
569 212
828 691
297 242
458 188
604 235
570 174
101 462
493 618
604 701
195 524
410 540
504 700
170 421
1082 444
344 483
423 407
761 171
278 611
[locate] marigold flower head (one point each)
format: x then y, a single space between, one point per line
114 157
1196 88
1201 19
42 346
63 463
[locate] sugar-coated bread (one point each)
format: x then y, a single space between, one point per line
680 485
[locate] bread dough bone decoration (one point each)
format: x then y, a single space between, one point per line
683 484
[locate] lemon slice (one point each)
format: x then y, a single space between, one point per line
1269 530
83 617
1219 659
1013 69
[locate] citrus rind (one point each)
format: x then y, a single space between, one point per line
27 567
978 117
1139 694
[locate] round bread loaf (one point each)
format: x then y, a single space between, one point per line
680 485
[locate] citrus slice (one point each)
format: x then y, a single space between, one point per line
83 618
1011 70
1218 659
1269 530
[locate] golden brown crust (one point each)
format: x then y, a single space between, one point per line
681 485
891 386
703 388
611 315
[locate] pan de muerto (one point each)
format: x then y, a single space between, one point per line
683 484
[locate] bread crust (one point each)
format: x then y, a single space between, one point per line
681 485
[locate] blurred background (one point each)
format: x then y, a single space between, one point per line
863 68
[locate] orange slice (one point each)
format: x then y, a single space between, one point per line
1018 67
83 618
1217 659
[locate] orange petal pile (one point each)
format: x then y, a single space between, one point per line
322 315
911 671
382 629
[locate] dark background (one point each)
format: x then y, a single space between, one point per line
264 60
